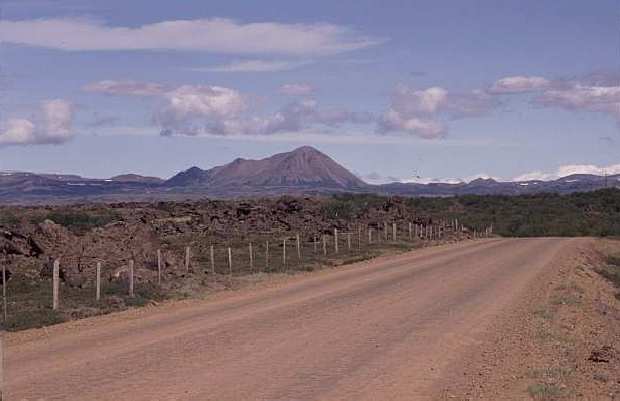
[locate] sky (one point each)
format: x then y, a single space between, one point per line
394 90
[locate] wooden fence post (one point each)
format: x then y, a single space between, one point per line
316 244
284 254
2 392
394 232
187 256
98 282
131 278
230 266
324 245
359 237
212 257
298 241
349 241
159 267
4 304
335 240
251 258
55 284
410 232
369 236
266 255
385 231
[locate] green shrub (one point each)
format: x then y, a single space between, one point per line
81 222
33 318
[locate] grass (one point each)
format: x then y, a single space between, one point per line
29 301
544 313
566 299
78 222
551 373
544 392
611 271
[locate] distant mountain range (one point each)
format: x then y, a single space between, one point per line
303 171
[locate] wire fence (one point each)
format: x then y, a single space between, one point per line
209 260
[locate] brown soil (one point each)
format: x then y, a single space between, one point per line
562 342
446 322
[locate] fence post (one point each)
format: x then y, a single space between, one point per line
55 284
284 254
98 282
131 278
349 241
4 305
410 232
159 267
359 237
187 251
316 243
369 236
394 232
251 258
266 255
335 240
2 392
230 267
298 248
212 259
385 231
324 245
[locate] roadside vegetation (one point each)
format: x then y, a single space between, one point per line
611 271
594 214
583 214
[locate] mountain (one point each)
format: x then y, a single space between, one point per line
303 171
564 185
302 168
135 178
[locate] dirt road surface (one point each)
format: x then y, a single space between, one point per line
389 329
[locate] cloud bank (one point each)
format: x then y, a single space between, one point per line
52 125
111 87
218 35
593 93
254 66
424 113
569 169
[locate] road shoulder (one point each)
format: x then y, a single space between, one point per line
559 343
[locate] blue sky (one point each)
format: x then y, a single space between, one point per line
436 89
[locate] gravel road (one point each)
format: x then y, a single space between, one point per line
387 329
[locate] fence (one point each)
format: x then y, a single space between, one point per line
222 259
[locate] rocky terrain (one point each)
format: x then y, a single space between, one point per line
113 234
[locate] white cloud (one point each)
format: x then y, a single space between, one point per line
217 35
423 112
378 179
393 121
214 110
411 101
254 66
296 89
519 84
598 92
17 132
427 180
192 109
569 169
53 125
134 88
605 99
